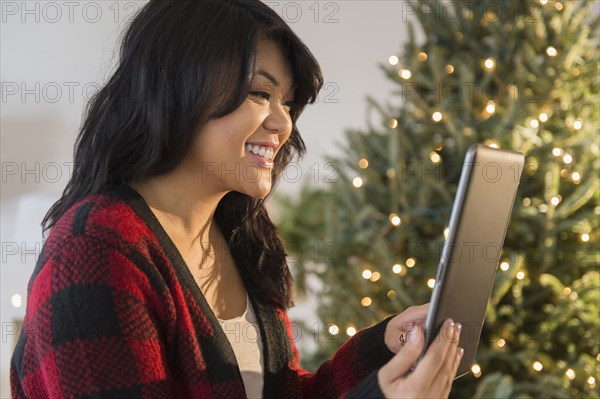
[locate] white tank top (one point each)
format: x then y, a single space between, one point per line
244 335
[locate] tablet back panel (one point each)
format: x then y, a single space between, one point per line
470 255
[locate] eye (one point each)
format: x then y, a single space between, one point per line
290 105
263 94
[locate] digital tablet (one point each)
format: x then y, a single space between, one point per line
469 259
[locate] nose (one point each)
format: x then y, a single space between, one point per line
279 120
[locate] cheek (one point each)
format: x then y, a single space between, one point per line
222 139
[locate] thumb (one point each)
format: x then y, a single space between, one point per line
399 365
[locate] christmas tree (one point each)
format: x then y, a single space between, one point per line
513 74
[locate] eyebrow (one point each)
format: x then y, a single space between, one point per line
269 76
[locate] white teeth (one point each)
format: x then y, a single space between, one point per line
264 152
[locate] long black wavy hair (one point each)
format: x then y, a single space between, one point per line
181 64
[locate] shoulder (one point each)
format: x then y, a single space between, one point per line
99 249
101 237
106 216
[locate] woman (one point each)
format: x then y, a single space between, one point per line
161 245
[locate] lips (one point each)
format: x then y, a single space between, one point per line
264 151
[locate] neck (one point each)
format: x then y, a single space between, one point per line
184 207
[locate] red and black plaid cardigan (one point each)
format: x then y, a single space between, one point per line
114 312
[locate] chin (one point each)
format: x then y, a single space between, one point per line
256 190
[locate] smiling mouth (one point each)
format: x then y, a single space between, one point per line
263 152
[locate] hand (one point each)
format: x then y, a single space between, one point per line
435 372
403 323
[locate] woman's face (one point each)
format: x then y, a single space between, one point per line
223 156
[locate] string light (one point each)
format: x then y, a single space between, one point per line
543 2
570 373
520 276
558 6
393 123
363 163
436 116
333 329
537 366
375 276
557 151
397 268
489 64
391 294
566 291
366 301
585 237
367 274
395 219
526 201
393 60
534 123
490 107
567 159
350 331
555 200
591 382
576 177
491 143
357 182
431 283
435 157
422 56
543 208
543 117
16 300
578 124
405 74
449 69
551 51
476 370
490 16
504 266
501 342
410 262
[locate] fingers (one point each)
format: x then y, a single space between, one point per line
459 354
399 365
447 371
415 314
411 316
437 356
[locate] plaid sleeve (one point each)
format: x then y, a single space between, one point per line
351 372
89 329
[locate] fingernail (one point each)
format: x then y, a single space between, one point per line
461 352
458 328
450 329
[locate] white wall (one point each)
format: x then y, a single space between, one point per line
53 52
